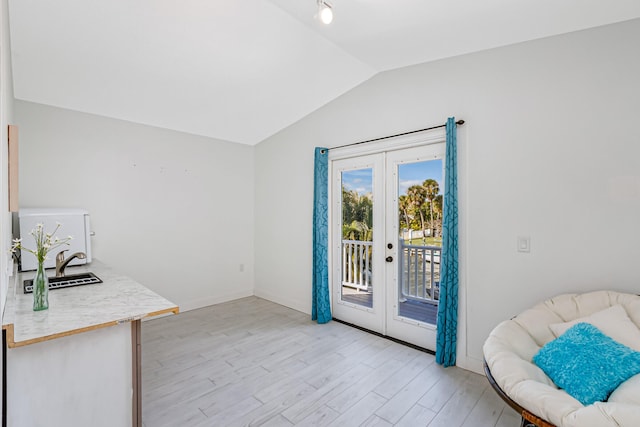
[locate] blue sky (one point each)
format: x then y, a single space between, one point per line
416 173
410 174
360 180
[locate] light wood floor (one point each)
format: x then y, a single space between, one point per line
253 362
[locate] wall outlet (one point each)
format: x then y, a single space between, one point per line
241 268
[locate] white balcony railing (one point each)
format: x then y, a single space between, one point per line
419 272
356 264
419 269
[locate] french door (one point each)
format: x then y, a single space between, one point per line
386 240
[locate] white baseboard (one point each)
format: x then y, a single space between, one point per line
278 299
212 300
470 364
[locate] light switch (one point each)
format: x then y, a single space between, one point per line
524 244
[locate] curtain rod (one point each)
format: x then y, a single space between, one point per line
459 122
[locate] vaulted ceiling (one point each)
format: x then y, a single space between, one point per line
242 70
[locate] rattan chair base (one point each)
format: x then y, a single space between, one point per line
528 419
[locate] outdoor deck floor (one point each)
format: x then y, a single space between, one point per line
421 311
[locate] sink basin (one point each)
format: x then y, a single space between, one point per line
66 281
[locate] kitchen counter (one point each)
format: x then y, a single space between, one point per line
79 309
74 310
79 362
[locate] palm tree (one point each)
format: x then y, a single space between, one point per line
416 195
358 230
431 190
437 207
404 206
357 213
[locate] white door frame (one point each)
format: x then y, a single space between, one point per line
391 145
403 328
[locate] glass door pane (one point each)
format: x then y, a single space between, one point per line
420 239
357 237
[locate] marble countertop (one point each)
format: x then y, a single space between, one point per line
118 299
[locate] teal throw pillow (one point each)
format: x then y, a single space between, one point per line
587 364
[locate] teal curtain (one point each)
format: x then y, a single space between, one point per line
448 305
320 305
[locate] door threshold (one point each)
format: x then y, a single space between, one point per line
396 340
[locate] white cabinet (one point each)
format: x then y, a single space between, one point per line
75 381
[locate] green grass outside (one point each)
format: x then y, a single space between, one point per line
429 241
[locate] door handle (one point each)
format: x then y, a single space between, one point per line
389 259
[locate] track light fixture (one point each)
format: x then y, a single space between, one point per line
325 12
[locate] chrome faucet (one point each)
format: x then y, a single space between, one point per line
62 263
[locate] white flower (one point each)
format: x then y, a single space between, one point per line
45 242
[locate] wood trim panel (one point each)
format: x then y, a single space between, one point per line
11 343
4 378
136 370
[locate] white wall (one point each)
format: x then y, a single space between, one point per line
550 150
171 210
6 118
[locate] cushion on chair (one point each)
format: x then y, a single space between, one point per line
510 347
588 364
612 321
627 392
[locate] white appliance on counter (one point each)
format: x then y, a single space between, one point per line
74 223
